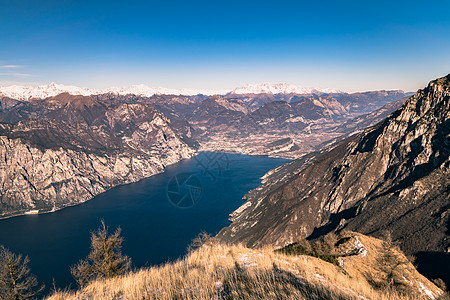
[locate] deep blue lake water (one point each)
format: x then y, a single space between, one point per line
159 216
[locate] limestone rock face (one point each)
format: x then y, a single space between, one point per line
79 148
393 177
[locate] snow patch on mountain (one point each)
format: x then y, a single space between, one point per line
53 89
43 91
280 88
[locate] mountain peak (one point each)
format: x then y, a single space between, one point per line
432 101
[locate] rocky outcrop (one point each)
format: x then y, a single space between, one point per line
50 163
393 177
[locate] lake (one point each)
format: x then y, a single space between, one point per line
159 216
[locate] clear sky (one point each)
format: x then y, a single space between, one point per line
348 45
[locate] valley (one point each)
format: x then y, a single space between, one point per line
63 150
96 142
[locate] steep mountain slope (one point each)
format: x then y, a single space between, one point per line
182 106
79 147
393 177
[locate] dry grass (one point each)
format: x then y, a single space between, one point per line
217 271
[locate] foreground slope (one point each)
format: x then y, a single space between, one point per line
217 271
393 177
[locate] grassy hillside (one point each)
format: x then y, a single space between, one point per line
365 268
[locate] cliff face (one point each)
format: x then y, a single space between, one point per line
393 177
78 149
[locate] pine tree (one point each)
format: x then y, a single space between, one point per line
16 282
105 259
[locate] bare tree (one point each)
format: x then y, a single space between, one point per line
105 259
16 281
201 239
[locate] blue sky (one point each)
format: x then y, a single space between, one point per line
348 45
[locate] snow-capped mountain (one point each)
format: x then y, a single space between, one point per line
53 89
280 88
43 91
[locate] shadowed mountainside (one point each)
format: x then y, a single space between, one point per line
392 177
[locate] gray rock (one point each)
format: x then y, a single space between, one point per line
50 163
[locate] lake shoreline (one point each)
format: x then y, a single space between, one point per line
155 230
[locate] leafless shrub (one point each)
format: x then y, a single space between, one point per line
16 281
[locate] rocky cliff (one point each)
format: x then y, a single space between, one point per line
78 148
394 177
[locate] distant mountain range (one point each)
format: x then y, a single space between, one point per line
281 88
53 89
277 113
